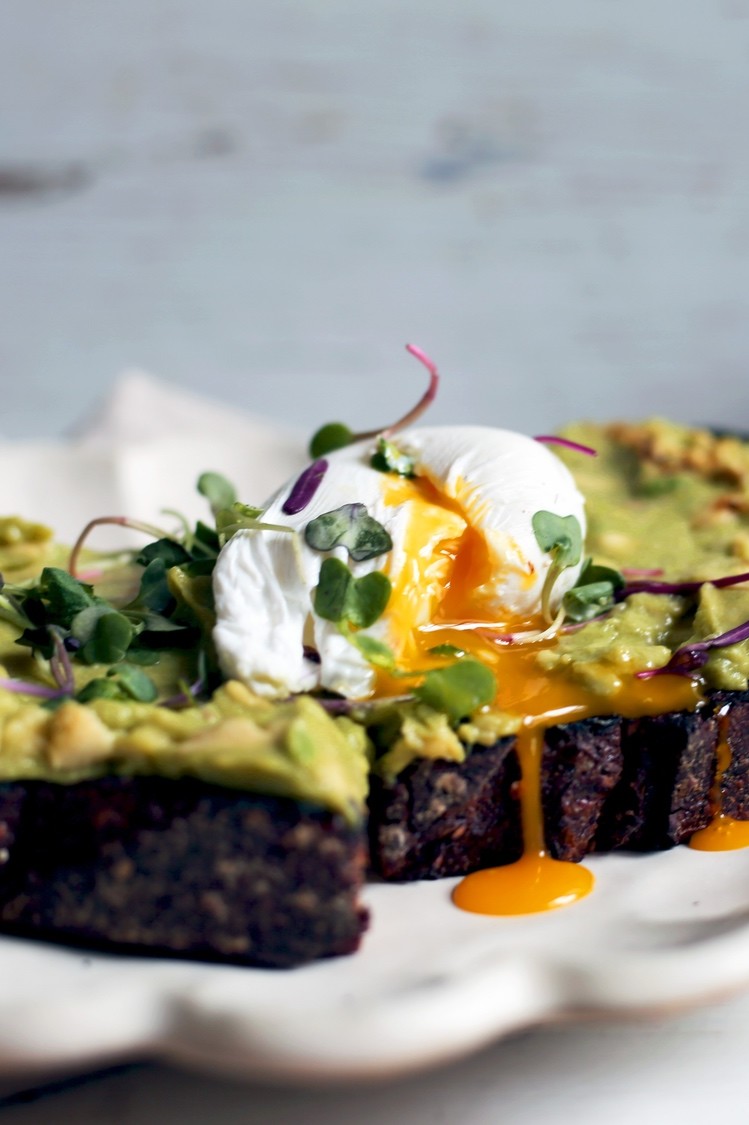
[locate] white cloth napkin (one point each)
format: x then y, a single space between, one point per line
141 453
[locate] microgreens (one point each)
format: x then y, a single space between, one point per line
459 690
594 592
561 537
340 597
331 436
376 652
446 650
124 682
336 435
119 521
65 621
352 527
389 459
218 491
243 517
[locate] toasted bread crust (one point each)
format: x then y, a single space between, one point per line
179 867
608 783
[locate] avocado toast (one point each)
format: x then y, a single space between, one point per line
208 820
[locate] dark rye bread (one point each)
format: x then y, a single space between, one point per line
179 867
607 783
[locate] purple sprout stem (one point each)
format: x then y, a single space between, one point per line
184 697
552 439
23 687
60 665
119 521
689 658
656 587
416 411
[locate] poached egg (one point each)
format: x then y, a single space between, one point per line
464 557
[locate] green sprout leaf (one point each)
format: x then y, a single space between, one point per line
99 688
594 592
110 636
123 682
459 690
349 526
65 596
333 435
134 683
389 459
154 593
168 551
218 491
342 598
559 536
447 650
376 652
562 538
585 602
332 590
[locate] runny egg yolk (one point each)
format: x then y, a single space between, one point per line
724 833
441 585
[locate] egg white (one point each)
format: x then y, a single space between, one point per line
264 581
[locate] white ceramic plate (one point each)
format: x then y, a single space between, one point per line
429 984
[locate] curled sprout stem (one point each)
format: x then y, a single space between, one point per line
120 521
416 411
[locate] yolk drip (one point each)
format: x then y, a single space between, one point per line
535 882
723 833
441 586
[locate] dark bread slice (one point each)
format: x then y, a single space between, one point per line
663 795
179 867
734 787
607 783
446 818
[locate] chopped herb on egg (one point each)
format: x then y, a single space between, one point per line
389 459
352 527
342 598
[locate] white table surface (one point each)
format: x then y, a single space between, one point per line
265 201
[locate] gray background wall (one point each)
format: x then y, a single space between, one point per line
265 201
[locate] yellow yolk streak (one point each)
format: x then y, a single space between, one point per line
724 833
442 586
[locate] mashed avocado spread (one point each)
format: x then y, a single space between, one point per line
660 498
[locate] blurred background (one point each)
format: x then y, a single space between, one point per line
264 201
261 201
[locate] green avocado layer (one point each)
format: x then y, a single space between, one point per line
659 497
